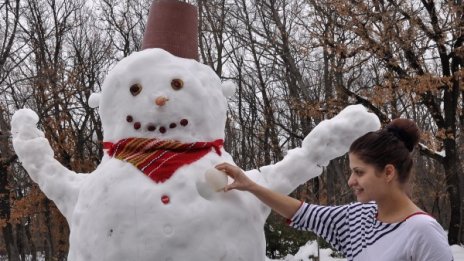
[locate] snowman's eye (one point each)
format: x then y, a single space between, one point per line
177 84
135 89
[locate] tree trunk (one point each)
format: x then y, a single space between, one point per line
5 211
453 171
32 246
10 243
49 249
20 242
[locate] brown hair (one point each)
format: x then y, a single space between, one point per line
390 145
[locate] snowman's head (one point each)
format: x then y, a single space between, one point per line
154 94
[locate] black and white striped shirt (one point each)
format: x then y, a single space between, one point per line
354 230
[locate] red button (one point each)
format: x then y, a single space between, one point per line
165 199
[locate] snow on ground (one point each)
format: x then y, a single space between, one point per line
458 252
309 251
305 253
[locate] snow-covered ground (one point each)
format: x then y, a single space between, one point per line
308 251
305 253
458 252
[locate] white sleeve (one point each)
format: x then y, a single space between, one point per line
430 242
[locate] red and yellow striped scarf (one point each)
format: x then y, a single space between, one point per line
159 159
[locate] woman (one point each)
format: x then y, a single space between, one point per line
384 224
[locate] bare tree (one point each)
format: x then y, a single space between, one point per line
124 22
9 14
295 63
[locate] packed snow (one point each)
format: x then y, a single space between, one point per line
117 212
309 251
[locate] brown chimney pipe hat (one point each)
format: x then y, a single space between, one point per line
172 26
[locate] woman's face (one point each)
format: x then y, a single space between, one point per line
366 181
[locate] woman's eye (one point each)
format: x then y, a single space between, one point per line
177 84
135 89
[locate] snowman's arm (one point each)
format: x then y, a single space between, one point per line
36 155
328 140
294 169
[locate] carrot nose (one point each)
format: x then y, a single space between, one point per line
161 100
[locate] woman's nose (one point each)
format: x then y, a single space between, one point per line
351 180
161 100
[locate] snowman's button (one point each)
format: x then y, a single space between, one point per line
184 122
165 199
162 129
137 125
129 118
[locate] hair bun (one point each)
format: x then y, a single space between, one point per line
406 130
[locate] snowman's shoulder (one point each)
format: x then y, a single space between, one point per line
256 176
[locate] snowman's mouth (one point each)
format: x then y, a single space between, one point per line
152 127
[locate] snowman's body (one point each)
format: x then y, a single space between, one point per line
122 217
119 213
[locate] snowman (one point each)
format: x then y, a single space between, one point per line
156 194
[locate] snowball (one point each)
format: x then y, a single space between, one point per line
228 88
216 179
94 100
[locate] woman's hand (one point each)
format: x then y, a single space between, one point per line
282 204
241 181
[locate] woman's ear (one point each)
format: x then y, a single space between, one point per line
390 172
